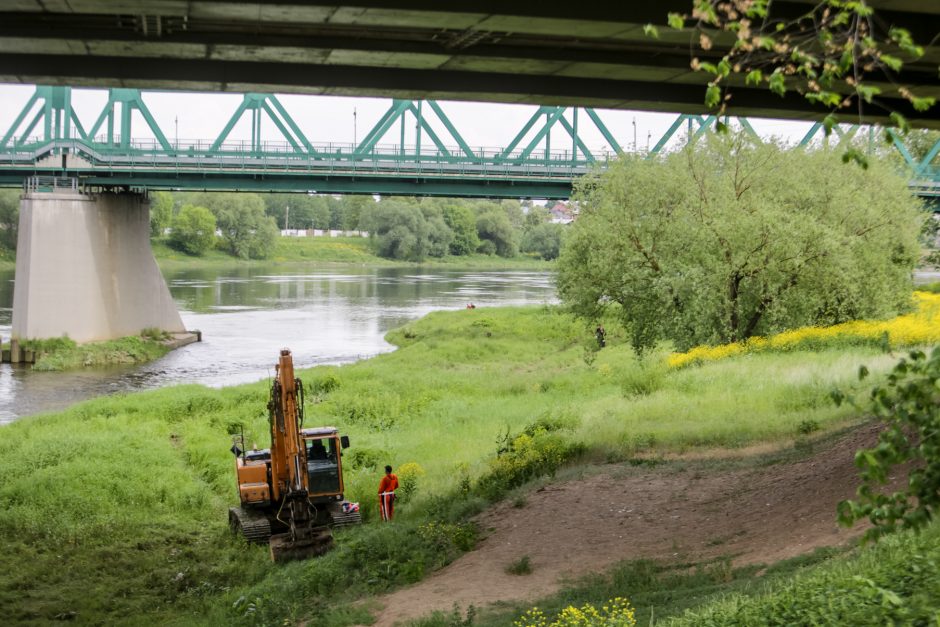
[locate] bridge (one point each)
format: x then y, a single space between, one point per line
541 160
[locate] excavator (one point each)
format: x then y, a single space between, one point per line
292 493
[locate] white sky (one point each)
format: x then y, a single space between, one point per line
325 119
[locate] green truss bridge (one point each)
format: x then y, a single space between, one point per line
542 160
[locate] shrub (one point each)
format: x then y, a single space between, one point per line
193 230
616 613
408 475
521 566
917 328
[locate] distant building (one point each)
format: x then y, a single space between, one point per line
563 213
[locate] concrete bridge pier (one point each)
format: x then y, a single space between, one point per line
84 268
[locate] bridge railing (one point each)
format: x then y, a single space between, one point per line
332 150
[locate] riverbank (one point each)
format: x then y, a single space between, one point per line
59 354
338 250
127 516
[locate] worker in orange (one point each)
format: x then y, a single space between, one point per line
387 487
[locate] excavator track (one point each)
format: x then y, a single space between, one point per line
253 526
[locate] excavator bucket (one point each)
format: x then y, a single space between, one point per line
317 542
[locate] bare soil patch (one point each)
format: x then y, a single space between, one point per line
681 512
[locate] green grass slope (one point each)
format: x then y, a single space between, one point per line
115 510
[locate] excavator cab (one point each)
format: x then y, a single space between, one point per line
324 469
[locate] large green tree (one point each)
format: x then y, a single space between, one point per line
730 239
247 231
494 227
161 212
544 240
462 221
9 217
193 230
398 230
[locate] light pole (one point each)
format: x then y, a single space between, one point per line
176 134
355 138
287 218
634 134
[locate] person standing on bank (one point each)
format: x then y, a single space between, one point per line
387 487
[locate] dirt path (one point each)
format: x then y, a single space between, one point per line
754 514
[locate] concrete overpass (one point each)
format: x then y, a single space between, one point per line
586 54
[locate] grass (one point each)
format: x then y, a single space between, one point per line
356 250
115 510
64 354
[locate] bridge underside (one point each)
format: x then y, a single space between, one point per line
590 54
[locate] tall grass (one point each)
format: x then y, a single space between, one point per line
116 508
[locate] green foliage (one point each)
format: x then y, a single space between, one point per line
495 227
544 240
398 231
161 212
836 43
9 218
247 231
193 230
896 582
536 452
909 405
716 244
64 354
462 222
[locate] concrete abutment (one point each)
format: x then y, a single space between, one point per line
84 269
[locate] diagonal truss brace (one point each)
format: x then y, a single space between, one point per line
129 101
55 112
556 115
399 112
261 105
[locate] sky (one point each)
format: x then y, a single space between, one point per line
324 119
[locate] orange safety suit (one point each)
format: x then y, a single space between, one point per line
387 487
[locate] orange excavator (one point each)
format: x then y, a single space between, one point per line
292 493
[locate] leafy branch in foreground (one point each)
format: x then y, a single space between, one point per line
909 404
835 55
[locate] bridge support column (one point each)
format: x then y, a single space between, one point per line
84 268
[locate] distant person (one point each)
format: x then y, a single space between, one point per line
317 450
387 487
601 335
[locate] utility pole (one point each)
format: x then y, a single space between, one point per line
176 135
634 134
649 134
287 217
355 138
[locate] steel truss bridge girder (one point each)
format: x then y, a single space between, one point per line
527 166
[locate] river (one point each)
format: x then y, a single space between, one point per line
247 313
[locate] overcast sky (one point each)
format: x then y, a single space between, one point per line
325 119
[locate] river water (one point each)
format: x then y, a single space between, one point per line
247 313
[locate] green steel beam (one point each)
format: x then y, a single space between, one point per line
522 133
394 112
551 116
605 132
451 129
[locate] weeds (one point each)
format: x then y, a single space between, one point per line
521 566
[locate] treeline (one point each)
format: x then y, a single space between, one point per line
403 228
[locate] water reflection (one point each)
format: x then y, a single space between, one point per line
247 313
